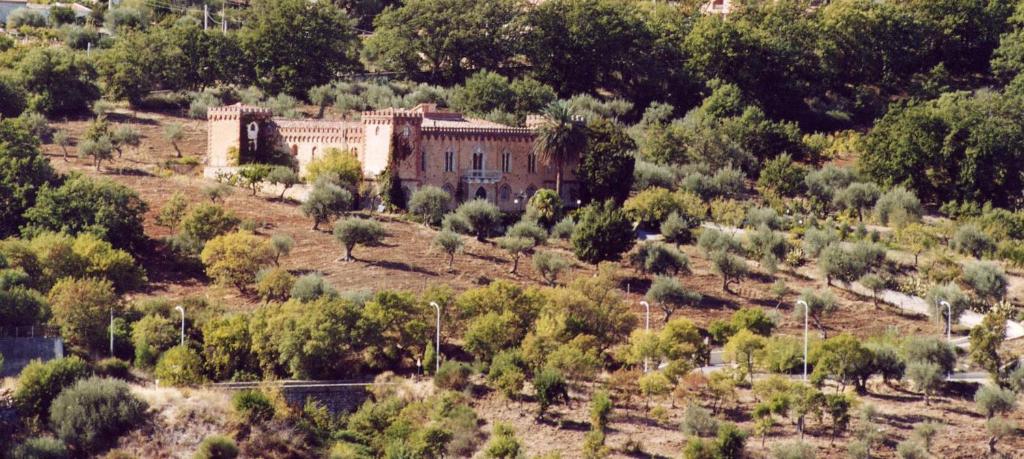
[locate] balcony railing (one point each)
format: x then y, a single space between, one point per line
481 175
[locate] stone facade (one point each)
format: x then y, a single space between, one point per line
469 158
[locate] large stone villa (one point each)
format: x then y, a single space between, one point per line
469 158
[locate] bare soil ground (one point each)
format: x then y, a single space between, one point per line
406 261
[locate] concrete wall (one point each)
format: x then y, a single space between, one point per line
18 352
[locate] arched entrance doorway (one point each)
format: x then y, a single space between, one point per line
481 193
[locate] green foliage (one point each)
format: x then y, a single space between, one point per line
92 414
951 294
326 201
80 204
731 267
227 346
216 447
480 215
311 287
651 207
40 448
546 204
560 139
507 373
503 443
453 375
179 366
252 406
857 196
152 335
295 46
353 231
58 81
336 166
677 229
602 233
698 421
925 376
742 349
235 258
898 207
284 176
819 304
450 243
173 211
970 240
659 258
987 279
430 203
530 230
600 409
39 384
281 245
606 164
564 228
274 284
549 265
793 450
712 240
550 389
993 400
844 359
81 308
670 295
781 176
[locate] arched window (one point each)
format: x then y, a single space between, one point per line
481 193
531 163
505 193
423 160
478 160
312 154
295 150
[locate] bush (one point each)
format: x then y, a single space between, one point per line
503 443
793 450
453 375
987 279
25 17
731 267
659 258
207 221
953 295
235 258
430 203
546 205
336 167
970 240
39 384
40 448
481 216
310 287
603 233
816 239
81 308
678 230
216 447
698 421
151 335
563 229
179 366
550 387
113 367
549 265
111 211
92 414
650 207
899 207
327 200
252 406
991 400
353 231
275 284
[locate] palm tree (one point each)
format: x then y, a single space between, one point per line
560 139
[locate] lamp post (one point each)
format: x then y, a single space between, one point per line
647 324
182 311
437 342
807 314
111 331
949 327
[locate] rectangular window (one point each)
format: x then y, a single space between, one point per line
423 161
531 163
506 162
449 161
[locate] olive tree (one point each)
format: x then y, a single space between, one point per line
516 247
857 196
819 304
283 176
993 400
731 267
947 293
670 295
353 231
925 376
898 207
481 215
970 240
450 243
987 279
326 201
549 265
430 203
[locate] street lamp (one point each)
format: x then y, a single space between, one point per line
949 327
111 331
437 342
182 311
647 325
807 314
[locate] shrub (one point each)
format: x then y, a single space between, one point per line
353 231
550 387
970 240
25 17
453 375
275 284
949 293
929 349
925 376
326 201
252 406
216 447
600 409
857 196
481 216
503 443
603 233
337 167
456 223
430 203
816 239
650 207
81 308
991 400
310 287
40 448
659 258
987 279
563 229
678 230
507 372
549 265
111 211
898 206
546 205
712 240
236 258
92 414
781 176
207 221
793 450
698 421
179 366
39 383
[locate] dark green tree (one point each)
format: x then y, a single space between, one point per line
602 233
606 164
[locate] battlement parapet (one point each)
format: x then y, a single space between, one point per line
233 112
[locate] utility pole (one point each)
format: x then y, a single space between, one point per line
224 17
206 17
